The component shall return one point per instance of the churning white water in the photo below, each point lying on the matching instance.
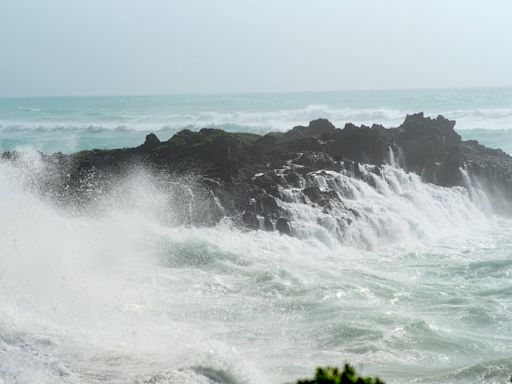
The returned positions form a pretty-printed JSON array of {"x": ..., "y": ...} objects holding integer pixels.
[{"x": 416, "y": 290}]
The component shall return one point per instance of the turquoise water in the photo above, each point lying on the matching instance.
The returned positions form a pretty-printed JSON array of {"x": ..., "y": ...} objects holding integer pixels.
[
  {"x": 71, "y": 124},
  {"x": 418, "y": 291}
]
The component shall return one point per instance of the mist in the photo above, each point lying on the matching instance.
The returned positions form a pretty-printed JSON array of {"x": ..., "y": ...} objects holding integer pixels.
[{"x": 134, "y": 47}]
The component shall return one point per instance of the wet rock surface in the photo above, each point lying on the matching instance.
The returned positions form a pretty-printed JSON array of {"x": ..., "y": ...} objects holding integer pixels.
[{"x": 252, "y": 179}]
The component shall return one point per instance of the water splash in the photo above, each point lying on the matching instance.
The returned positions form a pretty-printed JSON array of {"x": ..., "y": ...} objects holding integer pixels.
[
  {"x": 384, "y": 205},
  {"x": 121, "y": 294}
]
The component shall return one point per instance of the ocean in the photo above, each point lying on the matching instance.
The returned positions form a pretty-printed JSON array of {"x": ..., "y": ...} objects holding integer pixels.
[
  {"x": 419, "y": 290},
  {"x": 70, "y": 124}
]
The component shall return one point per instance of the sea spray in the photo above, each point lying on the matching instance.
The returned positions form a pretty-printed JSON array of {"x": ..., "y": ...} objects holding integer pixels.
[
  {"x": 385, "y": 205},
  {"x": 121, "y": 293},
  {"x": 94, "y": 281}
]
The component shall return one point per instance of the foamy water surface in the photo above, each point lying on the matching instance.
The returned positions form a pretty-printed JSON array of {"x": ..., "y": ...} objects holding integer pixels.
[{"x": 416, "y": 290}]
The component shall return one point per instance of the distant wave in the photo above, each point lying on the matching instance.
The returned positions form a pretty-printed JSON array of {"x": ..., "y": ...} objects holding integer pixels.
[
  {"x": 28, "y": 109},
  {"x": 259, "y": 121},
  {"x": 498, "y": 113}
]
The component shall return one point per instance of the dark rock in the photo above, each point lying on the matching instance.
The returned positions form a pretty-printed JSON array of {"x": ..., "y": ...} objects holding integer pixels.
[
  {"x": 283, "y": 226},
  {"x": 267, "y": 205},
  {"x": 303, "y": 144},
  {"x": 431, "y": 144},
  {"x": 250, "y": 220},
  {"x": 266, "y": 144},
  {"x": 317, "y": 196},
  {"x": 268, "y": 181},
  {"x": 246, "y": 179},
  {"x": 317, "y": 160},
  {"x": 151, "y": 142},
  {"x": 316, "y": 128},
  {"x": 267, "y": 224},
  {"x": 293, "y": 180}
]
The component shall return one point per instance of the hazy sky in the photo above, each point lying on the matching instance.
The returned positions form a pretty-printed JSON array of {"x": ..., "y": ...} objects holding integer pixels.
[{"x": 118, "y": 47}]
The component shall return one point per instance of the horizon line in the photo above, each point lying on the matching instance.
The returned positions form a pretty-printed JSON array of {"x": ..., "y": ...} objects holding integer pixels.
[{"x": 263, "y": 92}]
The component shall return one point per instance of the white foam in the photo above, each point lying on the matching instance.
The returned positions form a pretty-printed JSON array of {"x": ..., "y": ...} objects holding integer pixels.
[
  {"x": 398, "y": 208},
  {"x": 263, "y": 121},
  {"x": 119, "y": 296}
]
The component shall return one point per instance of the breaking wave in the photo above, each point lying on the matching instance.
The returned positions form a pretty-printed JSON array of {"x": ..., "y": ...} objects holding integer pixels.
[
  {"x": 118, "y": 295},
  {"x": 385, "y": 205},
  {"x": 260, "y": 121}
]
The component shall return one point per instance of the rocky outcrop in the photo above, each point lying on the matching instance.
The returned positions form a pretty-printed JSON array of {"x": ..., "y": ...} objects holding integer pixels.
[{"x": 249, "y": 177}]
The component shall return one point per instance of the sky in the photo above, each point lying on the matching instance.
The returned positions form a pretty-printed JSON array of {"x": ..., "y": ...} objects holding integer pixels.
[{"x": 150, "y": 47}]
